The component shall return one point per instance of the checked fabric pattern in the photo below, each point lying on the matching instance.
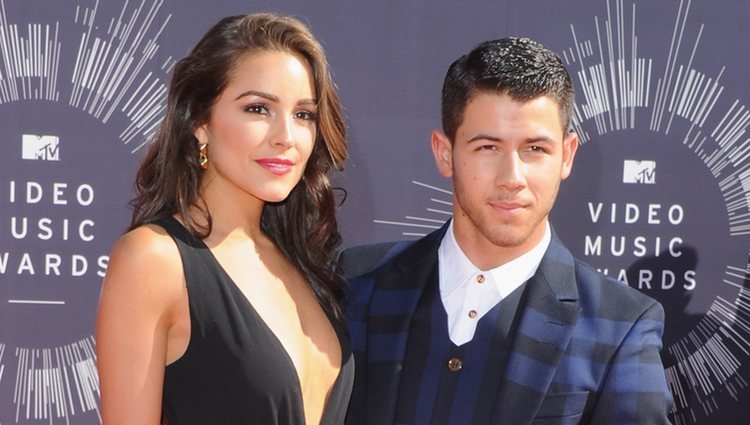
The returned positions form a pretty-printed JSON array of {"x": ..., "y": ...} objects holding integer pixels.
[{"x": 585, "y": 350}]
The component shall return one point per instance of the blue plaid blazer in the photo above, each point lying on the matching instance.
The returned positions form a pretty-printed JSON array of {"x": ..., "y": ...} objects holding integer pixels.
[{"x": 585, "y": 350}]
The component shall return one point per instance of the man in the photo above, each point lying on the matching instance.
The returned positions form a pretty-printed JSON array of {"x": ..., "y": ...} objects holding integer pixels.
[{"x": 490, "y": 320}]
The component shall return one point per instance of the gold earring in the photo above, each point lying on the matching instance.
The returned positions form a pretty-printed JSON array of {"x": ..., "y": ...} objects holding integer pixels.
[{"x": 203, "y": 155}]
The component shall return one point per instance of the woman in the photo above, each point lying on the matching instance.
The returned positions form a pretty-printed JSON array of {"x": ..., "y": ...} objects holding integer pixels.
[{"x": 221, "y": 304}]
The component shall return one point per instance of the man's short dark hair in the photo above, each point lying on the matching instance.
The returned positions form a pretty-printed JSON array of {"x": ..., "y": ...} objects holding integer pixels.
[{"x": 518, "y": 67}]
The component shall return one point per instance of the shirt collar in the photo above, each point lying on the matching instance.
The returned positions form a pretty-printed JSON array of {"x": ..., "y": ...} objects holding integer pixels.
[{"x": 455, "y": 267}]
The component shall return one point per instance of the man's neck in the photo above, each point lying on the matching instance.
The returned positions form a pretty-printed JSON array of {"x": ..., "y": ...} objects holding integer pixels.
[{"x": 487, "y": 255}]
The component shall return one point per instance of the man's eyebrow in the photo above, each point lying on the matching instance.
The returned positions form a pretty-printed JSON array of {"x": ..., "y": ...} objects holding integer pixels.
[
  {"x": 487, "y": 137},
  {"x": 490, "y": 138}
]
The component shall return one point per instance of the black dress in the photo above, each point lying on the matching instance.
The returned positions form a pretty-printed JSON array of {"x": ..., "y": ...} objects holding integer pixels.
[{"x": 235, "y": 370}]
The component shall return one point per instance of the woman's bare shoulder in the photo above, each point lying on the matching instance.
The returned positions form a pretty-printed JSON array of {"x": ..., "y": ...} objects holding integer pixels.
[
  {"x": 146, "y": 241},
  {"x": 142, "y": 298},
  {"x": 145, "y": 259}
]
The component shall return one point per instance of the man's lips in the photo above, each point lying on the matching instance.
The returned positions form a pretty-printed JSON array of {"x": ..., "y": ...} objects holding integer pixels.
[
  {"x": 278, "y": 166},
  {"x": 510, "y": 206}
]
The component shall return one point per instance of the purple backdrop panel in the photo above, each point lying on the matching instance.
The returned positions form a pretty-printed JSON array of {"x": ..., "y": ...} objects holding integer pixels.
[{"x": 658, "y": 197}]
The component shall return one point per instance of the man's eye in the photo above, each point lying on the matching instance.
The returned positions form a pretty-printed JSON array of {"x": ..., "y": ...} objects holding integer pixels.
[{"x": 534, "y": 148}]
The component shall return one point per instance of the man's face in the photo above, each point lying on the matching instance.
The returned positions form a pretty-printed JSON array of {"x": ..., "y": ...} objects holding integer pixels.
[{"x": 506, "y": 162}]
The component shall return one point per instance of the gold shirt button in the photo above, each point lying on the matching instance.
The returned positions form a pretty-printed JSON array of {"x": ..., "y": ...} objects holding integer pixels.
[
  {"x": 480, "y": 278},
  {"x": 455, "y": 364},
  {"x": 472, "y": 314}
]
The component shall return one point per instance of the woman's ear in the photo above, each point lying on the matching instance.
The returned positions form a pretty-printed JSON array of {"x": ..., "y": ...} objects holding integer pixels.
[{"x": 201, "y": 134}]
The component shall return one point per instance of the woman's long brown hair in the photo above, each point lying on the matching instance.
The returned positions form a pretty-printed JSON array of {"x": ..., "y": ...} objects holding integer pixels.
[{"x": 304, "y": 225}]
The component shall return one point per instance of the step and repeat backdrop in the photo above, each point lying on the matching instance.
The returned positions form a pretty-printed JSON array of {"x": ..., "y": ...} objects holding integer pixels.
[{"x": 659, "y": 197}]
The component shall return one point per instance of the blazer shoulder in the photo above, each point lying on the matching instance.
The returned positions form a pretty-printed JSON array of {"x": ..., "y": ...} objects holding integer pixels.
[
  {"x": 362, "y": 259},
  {"x": 609, "y": 294}
]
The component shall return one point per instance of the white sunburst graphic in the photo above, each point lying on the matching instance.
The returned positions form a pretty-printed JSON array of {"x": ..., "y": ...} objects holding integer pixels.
[
  {"x": 114, "y": 73},
  {"x": 617, "y": 81},
  {"x": 437, "y": 213},
  {"x": 107, "y": 70}
]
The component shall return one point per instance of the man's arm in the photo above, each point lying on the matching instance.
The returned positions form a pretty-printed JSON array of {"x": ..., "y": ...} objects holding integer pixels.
[{"x": 635, "y": 389}]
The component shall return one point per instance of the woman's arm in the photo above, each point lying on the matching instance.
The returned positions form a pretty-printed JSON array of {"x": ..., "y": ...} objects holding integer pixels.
[{"x": 141, "y": 296}]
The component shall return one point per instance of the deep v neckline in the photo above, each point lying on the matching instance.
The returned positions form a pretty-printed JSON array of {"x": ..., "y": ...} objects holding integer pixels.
[{"x": 236, "y": 291}]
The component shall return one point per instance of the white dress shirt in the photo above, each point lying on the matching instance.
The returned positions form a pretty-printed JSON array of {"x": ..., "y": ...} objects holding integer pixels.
[{"x": 468, "y": 293}]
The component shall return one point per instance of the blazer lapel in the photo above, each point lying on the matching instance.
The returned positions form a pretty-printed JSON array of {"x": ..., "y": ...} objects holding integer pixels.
[
  {"x": 549, "y": 312},
  {"x": 398, "y": 288}
]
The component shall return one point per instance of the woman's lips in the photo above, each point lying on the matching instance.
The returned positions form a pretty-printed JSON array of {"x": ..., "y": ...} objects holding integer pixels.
[{"x": 278, "y": 166}]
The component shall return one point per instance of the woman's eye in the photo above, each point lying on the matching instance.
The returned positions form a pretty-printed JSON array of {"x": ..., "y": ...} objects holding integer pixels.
[
  {"x": 256, "y": 108},
  {"x": 306, "y": 115}
]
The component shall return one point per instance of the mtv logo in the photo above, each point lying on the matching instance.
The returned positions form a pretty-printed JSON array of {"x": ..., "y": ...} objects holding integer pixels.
[
  {"x": 643, "y": 172},
  {"x": 45, "y": 147}
]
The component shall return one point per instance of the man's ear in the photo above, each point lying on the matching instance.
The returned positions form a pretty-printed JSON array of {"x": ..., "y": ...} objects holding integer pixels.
[
  {"x": 570, "y": 147},
  {"x": 442, "y": 150}
]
